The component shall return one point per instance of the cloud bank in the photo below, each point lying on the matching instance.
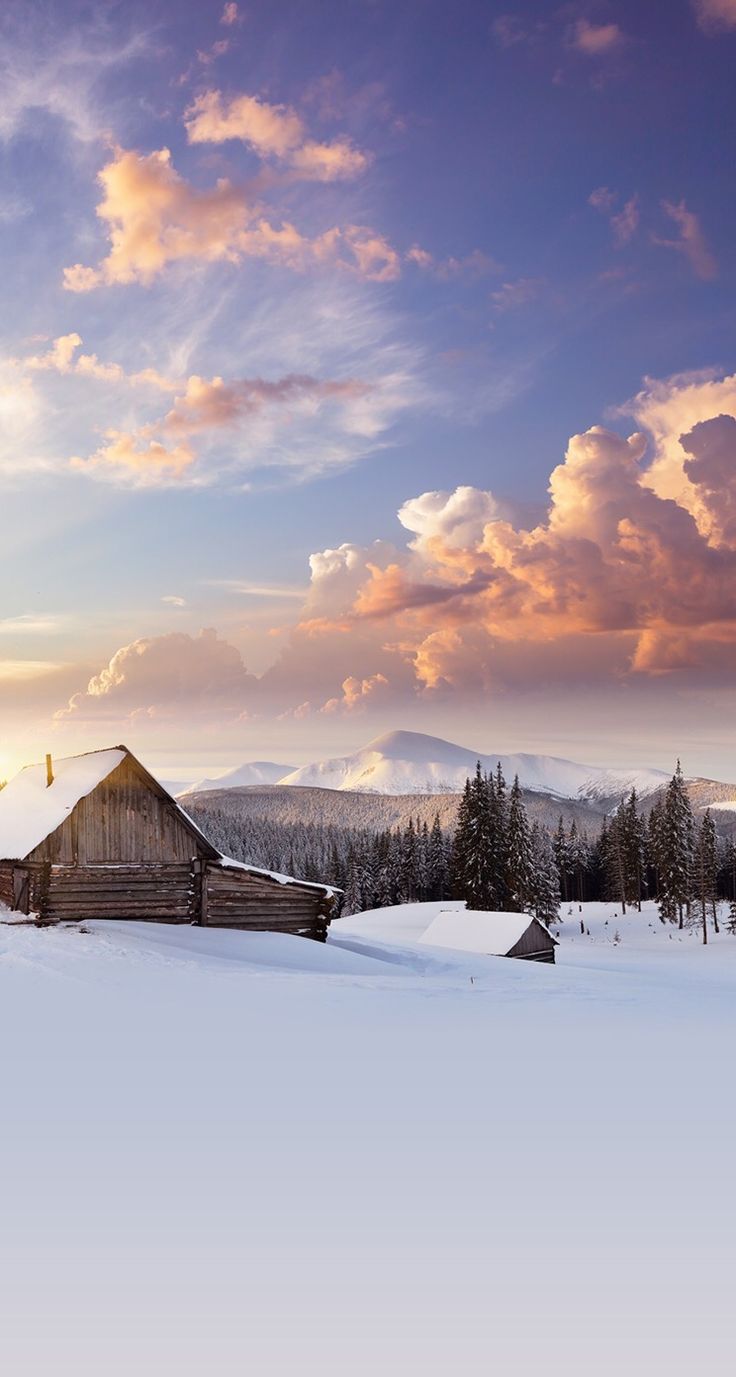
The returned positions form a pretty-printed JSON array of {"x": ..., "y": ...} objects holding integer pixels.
[{"x": 621, "y": 581}]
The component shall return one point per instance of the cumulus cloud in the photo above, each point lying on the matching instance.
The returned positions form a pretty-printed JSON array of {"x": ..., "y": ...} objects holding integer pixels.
[
  {"x": 691, "y": 241},
  {"x": 158, "y": 675},
  {"x": 713, "y": 15},
  {"x": 230, "y": 14},
  {"x": 272, "y": 131},
  {"x": 154, "y": 217},
  {"x": 711, "y": 468},
  {"x": 357, "y": 694},
  {"x": 618, "y": 579},
  {"x": 454, "y": 520},
  {"x": 668, "y": 409}
]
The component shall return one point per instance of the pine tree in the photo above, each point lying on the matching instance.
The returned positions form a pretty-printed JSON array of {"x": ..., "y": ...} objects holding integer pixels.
[
  {"x": 353, "y": 901},
  {"x": 676, "y": 851},
  {"x": 498, "y": 814},
  {"x": 614, "y": 858},
  {"x": 409, "y": 870},
  {"x": 436, "y": 862},
  {"x": 480, "y": 881},
  {"x": 562, "y": 857},
  {"x": 545, "y": 876},
  {"x": 706, "y": 871},
  {"x": 635, "y": 851},
  {"x": 460, "y": 863},
  {"x": 519, "y": 865},
  {"x": 576, "y": 851}
]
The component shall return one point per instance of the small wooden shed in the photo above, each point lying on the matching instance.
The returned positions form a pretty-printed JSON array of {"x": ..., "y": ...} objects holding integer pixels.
[
  {"x": 492, "y": 934},
  {"x": 96, "y": 836}
]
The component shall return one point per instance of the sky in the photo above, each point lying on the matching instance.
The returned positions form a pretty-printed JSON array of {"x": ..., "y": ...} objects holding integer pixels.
[{"x": 367, "y": 365}]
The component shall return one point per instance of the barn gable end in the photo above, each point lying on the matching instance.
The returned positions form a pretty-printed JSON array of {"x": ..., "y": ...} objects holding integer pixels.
[
  {"x": 128, "y": 818},
  {"x": 536, "y": 944}
]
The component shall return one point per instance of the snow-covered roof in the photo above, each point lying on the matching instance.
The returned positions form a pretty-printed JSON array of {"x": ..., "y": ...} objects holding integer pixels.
[
  {"x": 30, "y": 811},
  {"x": 329, "y": 890},
  {"x": 492, "y": 934}
]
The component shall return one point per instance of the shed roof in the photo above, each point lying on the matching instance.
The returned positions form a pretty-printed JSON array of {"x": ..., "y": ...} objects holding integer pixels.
[{"x": 493, "y": 934}]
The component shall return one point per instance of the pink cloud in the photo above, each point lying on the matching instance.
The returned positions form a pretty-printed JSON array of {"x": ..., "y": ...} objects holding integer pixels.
[
  {"x": 274, "y": 131},
  {"x": 154, "y": 218},
  {"x": 713, "y": 15},
  {"x": 595, "y": 40},
  {"x": 156, "y": 675},
  {"x": 691, "y": 242},
  {"x": 205, "y": 404}
]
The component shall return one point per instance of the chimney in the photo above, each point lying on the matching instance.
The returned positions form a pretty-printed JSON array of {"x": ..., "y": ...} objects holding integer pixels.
[{"x": 49, "y": 772}]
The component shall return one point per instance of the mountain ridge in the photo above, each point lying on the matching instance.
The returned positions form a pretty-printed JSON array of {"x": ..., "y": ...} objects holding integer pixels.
[
  {"x": 400, "y": 763},
  {"x": 403, "y": 762}
]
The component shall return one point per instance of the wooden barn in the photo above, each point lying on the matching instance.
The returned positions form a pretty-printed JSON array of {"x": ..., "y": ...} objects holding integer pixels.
[
  {"x": 96, "y": 836},
  {"x": 492, "y": 934}
]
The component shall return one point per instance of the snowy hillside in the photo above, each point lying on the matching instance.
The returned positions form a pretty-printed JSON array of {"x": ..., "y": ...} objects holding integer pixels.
[
  {"x": 242, "y": 776},
  {"x": 410, "y": 762},
  {"x": 240, "y": 1152}
]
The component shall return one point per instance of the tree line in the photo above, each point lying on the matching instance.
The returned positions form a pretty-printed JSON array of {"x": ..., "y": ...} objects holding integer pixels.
[{"x": 494, "y": 859}]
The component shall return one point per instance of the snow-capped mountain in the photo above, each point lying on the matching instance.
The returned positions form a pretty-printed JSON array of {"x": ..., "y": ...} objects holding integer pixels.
[
  {"x": 255, "y": 772},
  {"x": 409, "y": 763}
]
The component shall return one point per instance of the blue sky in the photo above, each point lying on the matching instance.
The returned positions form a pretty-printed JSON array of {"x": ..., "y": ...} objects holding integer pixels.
[{"x": 272, "y": 271}]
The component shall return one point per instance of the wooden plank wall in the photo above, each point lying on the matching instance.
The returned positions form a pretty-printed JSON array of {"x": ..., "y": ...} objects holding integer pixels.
[
  {"x": 7, "y": 894},
  {"x": 237, "y": 899},
  {"x": 161, "y": 893},
  {"x": 535, "y": 944},
  {"x": 123, "y": 819}
]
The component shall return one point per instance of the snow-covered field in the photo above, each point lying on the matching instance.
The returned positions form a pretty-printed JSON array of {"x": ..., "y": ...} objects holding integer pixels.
[{"x": 228, "y": 1152}]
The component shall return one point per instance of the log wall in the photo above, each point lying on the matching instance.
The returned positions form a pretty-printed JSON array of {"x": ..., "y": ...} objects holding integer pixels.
[
  {"x": 161, "y": 893},
  {"x": 233, "y": 898},
  {"x": 186, "y": 892}
]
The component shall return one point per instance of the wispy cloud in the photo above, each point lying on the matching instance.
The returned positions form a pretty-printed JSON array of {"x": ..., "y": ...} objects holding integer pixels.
[
  {"x": 691, "y": 241},
  {"x": 63, "y": 71},
  {"x": 510, "y": 296}
]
